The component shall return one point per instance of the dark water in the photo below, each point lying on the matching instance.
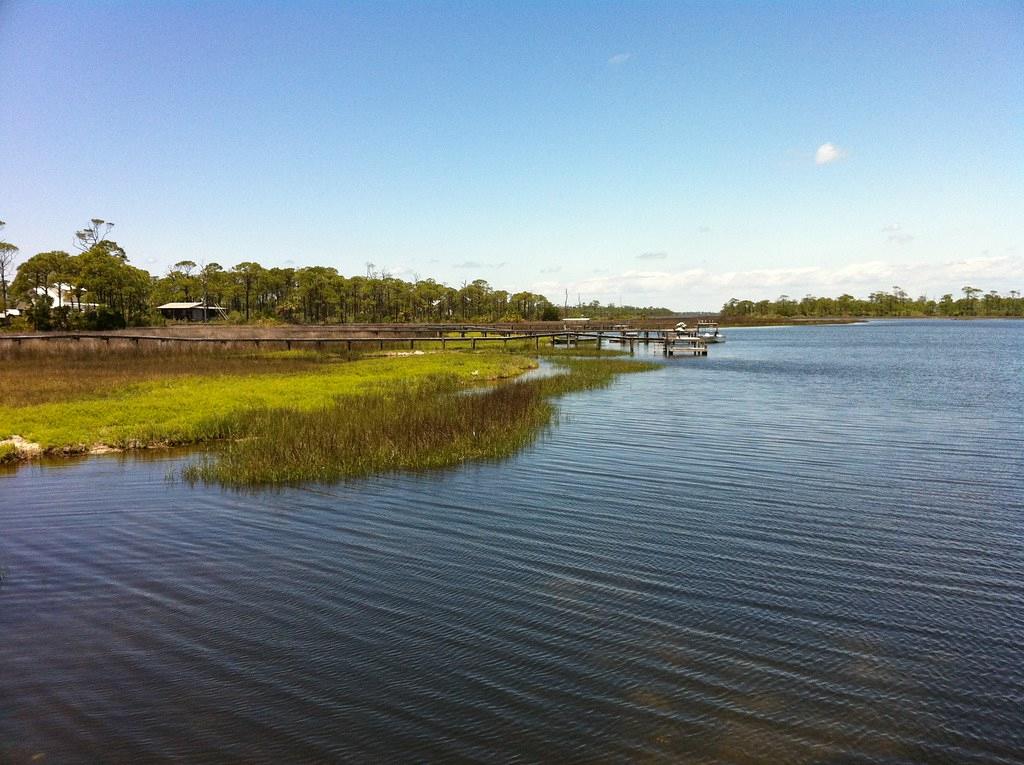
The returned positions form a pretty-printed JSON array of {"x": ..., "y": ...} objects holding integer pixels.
[{"x": 805, "y": 548}]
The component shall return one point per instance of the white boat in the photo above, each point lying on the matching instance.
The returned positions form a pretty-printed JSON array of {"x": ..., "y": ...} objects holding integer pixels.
[
  {"x": 685, "y": 341},
  {"x": 710, "y": 332}
]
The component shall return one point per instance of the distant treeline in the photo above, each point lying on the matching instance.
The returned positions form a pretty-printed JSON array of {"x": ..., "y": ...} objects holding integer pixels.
[
  {"x": 975, "y": 302},
  {"x": 97, "y": 288}
]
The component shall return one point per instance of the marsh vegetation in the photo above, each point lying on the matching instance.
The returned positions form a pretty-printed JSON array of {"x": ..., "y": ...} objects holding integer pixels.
[
  {"x": 63, "y": 371},
  {"x": 408, "y": 425},
  {"x": 286, "y": 416},
  {"x": 126, "y": 397}
]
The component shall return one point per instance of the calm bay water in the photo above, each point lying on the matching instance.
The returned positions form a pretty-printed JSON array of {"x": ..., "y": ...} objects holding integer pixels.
[{"x": 804, "y": 548}]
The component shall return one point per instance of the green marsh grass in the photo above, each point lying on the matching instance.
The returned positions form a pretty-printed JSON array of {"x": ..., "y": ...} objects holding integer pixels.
[
  {"x": 132, "y": 399},
  {"x": 290, "y": 416},
  {"x": 8, "y": 453},
  {"x": 414, "y": 425},
  {"x": 526, "y": 346},
  {"x": 55, "y": 371}
]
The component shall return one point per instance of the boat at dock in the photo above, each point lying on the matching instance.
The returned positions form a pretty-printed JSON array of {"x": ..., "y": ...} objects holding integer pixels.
[
  {"x": 684, "y": 340},
  {"x": 710, "y": 332}
]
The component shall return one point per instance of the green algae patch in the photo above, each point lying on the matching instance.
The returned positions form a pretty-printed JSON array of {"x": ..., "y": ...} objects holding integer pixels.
[{"x": 196, "y": 408}]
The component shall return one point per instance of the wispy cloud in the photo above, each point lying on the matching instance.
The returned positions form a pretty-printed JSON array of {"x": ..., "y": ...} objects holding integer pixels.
[
  {"x": 828, "y": 153},
  {"x": 399, "y": 270},
  {"x": 620, "y": 58},
  {"x": 476, "y": 264},
  {"x": 652, "y": 256},
  {"x": 896, "y": 234},
  {"x": 704, "y": 229},
  {"x": 551, "y": 270}
]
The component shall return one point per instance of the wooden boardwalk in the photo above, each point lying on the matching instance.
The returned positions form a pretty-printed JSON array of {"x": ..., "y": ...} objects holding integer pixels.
[{"x": 383, "y": 337}]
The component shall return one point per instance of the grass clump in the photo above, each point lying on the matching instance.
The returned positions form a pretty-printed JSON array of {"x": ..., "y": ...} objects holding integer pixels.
[
  {"x": 585, "y": 372},
  {"x": 8, "y": 453},
  {"x": 416, "y": 425},
  {"x": 406, "y": 426}
]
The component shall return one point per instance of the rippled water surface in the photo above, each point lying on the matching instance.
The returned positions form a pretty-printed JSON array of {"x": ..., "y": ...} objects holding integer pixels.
[{"x": 804, "y": 548}]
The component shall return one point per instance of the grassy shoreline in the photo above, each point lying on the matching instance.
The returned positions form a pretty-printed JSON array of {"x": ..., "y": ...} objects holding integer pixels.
[
  {"x": 286, "y": 417},
  {"x": 151, "y": 402}
]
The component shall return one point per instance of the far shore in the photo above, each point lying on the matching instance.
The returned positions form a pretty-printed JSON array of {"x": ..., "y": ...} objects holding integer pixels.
[{"x": 765, "y": 321}]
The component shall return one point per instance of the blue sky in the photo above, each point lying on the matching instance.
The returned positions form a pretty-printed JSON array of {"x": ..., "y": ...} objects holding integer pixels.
[{"x": 674, "y": 154}]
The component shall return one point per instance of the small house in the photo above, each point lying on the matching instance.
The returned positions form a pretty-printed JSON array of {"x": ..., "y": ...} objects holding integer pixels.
[
  {"x": 192, "y": 311},
  {"x": 64, "y": 296}
]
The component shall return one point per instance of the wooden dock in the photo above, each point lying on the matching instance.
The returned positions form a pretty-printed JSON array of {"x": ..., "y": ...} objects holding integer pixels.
[{"x": 389, "y": 338}]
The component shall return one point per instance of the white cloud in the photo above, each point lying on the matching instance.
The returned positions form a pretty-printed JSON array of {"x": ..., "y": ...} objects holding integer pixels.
[
  {"x": 620, "y": 58},
  {"x": 703, "y": 289},
  {"x": 827, "y": 153},
  {"x": 652, "y": 256}
]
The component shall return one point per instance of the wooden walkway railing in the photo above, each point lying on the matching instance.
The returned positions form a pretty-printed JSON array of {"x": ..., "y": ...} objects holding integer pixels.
[{"x": 685, "y": 343}]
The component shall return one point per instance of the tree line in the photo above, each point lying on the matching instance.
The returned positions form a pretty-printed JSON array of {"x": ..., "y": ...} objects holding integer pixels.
[
  {"x": 97, "y": 288},
  {"x": 974, "y": 302}
]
